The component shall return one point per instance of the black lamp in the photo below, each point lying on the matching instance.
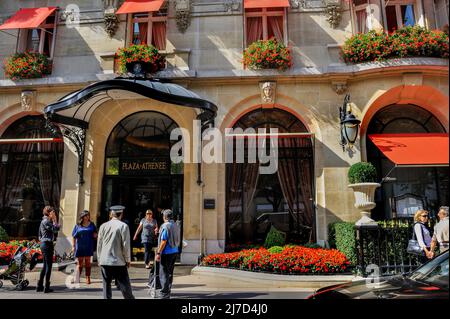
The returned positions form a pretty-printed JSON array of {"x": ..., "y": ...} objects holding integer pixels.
[{"x": 349, "y": 124}]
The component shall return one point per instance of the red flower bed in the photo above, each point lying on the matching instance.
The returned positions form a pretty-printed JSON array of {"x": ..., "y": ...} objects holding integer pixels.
[
  {"x": 7, "y": 250},
  {"x": 405, "y": 42},
  {"x": 292, "y": 260}
]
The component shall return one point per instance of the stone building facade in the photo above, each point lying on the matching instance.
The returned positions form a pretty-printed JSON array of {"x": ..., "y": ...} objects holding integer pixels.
[{"x": 204, "y": 44}]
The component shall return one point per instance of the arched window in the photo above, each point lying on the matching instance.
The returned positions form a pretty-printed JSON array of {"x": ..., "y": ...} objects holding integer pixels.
[
  {"x": 256, "y": 202},
  {"x": 30, "y": 176},
  {"x": 427, "y": 184}
]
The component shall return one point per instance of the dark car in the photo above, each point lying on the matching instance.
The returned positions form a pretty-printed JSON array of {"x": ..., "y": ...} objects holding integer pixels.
[{"x": 430, "y": 281}]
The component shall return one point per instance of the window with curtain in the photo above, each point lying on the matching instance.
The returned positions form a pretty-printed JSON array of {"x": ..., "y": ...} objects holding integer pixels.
[
  {"x": 399, "y": 14},
  {"x": 38, "y": 40},
  {"x": 149, "y": 28},
  {"x": 30, "y": 177},
  {"x": 256, "y": 202},
  {"x": 265, "y": 23}
]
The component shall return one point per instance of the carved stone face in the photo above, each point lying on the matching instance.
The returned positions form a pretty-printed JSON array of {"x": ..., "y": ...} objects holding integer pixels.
[
  {"x": 268, "y": 92},
  {"x": 27, "y": 100}
]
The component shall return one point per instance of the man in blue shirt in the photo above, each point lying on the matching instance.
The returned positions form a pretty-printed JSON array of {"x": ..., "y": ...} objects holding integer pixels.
[{"x": 166, "y": 254}]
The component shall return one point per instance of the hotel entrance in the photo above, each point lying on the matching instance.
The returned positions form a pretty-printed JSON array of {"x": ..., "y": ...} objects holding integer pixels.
[{"x": 138, "y": 171}]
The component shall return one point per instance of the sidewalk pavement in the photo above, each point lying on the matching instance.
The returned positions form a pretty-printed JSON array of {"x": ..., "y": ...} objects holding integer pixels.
[{"x": 189, "y": 282}]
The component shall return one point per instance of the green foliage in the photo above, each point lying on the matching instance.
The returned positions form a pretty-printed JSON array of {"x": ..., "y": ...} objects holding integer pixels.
[
  {"x": 275, "y": 249},
  {"x": 312, "y": 245},
  {"x": 345, "y": 240},
  {"x": 332, "y": 235},
  {"x": 405, "y": 42},
  {"x": 275, "y": 238},
  {"x": 362, "y": 172},
  {"x": 3, "y": 235},
  {"x": 267, "y": 54}
]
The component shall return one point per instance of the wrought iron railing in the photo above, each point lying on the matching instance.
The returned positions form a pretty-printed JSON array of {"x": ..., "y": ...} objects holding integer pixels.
[{"x": 381, "y": 249}]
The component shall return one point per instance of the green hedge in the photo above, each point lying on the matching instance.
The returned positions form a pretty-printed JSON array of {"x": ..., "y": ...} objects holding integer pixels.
[
  {"x": 344, "y": 238},
  {"x": 3, "y": 235},
  {"x": 362, "y": 172}
]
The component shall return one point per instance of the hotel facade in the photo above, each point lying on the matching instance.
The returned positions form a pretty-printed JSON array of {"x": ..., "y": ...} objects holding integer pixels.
[{"x": 84, "y": 138}]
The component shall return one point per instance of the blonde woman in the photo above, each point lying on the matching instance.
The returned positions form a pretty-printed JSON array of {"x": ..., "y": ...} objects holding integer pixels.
[
  {"x": 149, "y": 228},
  {"x": 422, "y": 233}
]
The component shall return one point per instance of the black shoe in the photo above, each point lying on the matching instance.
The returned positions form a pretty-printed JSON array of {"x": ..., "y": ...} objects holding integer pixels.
[
  {"x": 47, "y": 288},
  {"x": 39, "y": 287}
]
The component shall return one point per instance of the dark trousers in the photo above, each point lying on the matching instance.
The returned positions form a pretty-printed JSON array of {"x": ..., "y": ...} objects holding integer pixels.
[
  {"x": 167, "y": 266},
  {"x": 120, "y": 274},
  {"x": 47, "y": 252},
  {"x": 148, "y": 252}
]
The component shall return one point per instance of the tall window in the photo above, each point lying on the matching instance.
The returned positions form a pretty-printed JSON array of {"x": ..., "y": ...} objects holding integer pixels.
[
  {"x": 265, "y": 23},
  {"x": 149, "y": 28},
  {"x": 399, "y": 14},
  {"x": 30, "y": 176},
  {"x": 361, "y": 8},
  {"x": 255, "y": 202},
  {"x": 38, "y": 40}
]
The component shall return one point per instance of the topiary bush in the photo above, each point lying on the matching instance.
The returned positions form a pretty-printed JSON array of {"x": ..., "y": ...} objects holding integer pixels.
[
  {"x": 275, "y": 238},
  {"x": 275, "y": 249},
  {"x": 345, "y": 240},
  {"x": 3, "y": 235},
  {"x": 362, "y": 172}
]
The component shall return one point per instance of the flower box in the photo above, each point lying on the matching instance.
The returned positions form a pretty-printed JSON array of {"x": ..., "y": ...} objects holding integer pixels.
[
  {"x": 27, "y": 65},
  {"x": 405, "y": 42},
  {"x": 267, "y": 54},
  {"x": 139, "y": 59}
]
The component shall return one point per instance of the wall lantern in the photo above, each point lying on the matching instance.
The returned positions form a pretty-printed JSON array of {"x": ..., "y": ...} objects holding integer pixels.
[{"x": 349, "y": 124}]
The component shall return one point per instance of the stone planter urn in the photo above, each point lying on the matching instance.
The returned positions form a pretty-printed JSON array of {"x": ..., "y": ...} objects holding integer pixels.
[{"x": 364, "y": 200}]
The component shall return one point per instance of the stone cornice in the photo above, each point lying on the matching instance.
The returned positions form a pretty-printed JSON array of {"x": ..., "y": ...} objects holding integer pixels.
[{"x": 334, "y": 73}]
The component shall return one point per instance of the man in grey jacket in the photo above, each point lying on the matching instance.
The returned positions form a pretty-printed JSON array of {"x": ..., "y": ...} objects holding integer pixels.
[{"x": 113, "y": 253}]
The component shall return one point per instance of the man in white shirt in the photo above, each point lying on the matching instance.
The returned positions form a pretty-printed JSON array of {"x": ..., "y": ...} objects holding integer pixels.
[
  {"x": 113, "y": 253},
  {"x": 441, "y": 231}
]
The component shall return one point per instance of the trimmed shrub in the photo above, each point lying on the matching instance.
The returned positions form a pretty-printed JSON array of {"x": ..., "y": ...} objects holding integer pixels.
[
  {"x": 362, "y": 172},
  {"x": 275, "y": 249},
  {"x": 275, "y": 238},
  {"x": 346, "y": 241},
  {"x": 3, "y": 235}
]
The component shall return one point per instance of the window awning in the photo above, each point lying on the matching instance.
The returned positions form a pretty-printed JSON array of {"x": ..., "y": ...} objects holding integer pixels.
[
  {"x": 254, "y": 4},
  {"x": 135, "y": 6},
  {"x": 427, "y": 149},
  {"x": 28, "y": 18}
]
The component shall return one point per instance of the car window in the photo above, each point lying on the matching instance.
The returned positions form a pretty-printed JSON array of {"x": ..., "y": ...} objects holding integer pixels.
[{"x": 434, "y": 273}]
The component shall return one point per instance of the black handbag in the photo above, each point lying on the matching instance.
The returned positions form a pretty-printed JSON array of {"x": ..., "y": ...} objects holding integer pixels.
[{"x": 413, "y": 245}]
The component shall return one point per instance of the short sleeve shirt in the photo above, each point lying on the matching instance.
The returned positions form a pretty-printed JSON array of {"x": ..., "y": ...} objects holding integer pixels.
[
  {"x": 167, "y": 249},
  {"x": 148, "y": 230}
]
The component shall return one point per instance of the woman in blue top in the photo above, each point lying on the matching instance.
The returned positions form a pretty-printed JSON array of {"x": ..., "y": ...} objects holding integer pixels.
[
  {"x": 422, "y": 233},
  {"x": 83, "y": 235}
]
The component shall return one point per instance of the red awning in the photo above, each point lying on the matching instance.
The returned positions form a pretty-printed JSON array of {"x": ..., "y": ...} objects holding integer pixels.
[
  {"x": 252, "y": 4},
  {"x": 135, "y": 6},
  {"x": 28, "y": 18},
  {"x": 428, "y": 149}
]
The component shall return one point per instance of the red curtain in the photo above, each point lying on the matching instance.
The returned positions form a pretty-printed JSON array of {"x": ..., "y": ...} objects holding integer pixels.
[
  {"x": 254, "y": 29},
  {"x": 275, "y": 28},
  {"x": 143, "y": 28},
  {"x": 159, "y": 35},
  {"x": 294, "y": 174}
]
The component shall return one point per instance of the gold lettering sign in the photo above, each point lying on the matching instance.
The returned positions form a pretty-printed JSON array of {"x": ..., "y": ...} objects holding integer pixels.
[{"x": 144, "y": 166}]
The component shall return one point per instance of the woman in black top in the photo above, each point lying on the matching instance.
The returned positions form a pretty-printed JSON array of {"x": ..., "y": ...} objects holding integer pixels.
[{"x": 48, "y": 228}]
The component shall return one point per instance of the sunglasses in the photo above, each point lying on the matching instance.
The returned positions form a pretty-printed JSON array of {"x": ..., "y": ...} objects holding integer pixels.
[{"x": 424, "y": 216}]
